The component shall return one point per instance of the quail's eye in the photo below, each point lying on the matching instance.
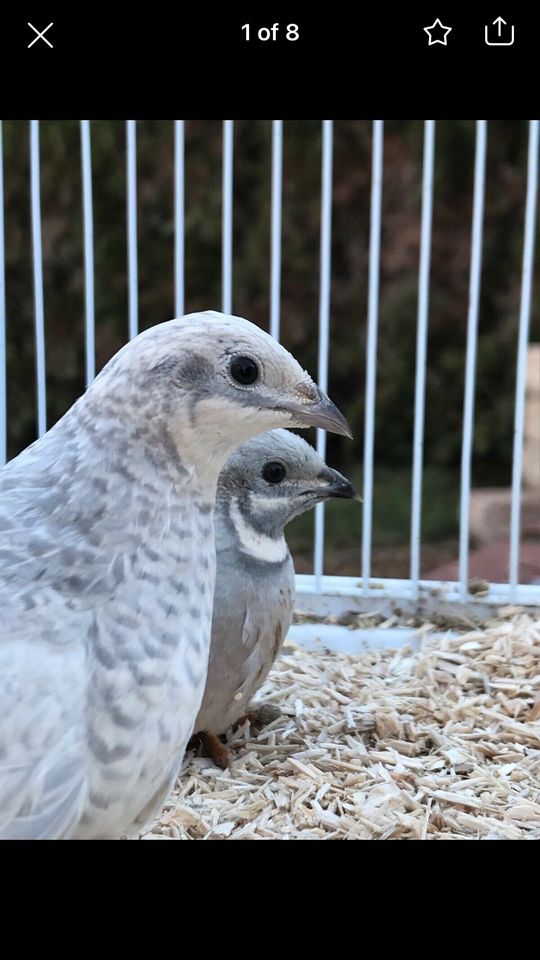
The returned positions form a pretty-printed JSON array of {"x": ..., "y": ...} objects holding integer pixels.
[
  {"x": 244, "y": 370},
  {"x": 274, "y": 472}
]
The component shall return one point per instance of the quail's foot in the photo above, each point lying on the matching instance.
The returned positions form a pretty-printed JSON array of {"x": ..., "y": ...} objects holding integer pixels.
[
  {"x": 219, "y": 752},
  {"x": 212, "y": 747}
]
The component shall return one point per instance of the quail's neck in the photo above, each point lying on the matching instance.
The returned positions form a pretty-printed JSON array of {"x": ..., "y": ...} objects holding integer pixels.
[
  {"x": 168, "y": 438},
  {"x": 148, "y": 445}
]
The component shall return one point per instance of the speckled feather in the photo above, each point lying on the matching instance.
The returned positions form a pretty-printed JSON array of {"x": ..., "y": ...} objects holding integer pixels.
[{"x": 107, "y": 568}]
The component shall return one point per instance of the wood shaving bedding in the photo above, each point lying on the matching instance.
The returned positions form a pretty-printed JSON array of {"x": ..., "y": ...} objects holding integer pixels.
[{"x": 441, "y": 743}]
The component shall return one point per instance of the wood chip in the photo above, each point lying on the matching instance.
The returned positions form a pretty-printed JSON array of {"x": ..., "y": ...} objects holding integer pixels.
[{"x": 442, "y": 743}]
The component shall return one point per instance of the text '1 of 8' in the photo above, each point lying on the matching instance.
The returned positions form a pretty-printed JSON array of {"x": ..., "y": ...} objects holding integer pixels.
[{"x": 292, "y": 32}]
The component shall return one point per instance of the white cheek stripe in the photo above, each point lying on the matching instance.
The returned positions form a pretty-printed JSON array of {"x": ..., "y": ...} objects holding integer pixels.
[
  {"x": 256, "y": 544},
  {"x": 259, "y": 502}
]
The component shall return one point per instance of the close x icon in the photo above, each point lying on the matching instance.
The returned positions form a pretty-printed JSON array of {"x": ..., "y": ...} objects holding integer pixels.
[{"x": 40, "y": 35}]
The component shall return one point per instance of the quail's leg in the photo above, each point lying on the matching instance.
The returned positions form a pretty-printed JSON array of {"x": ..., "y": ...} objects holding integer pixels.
[{"x": 215, "y": 749}]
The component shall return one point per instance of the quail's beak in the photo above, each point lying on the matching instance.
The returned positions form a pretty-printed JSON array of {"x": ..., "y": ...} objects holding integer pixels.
[
  {"x": 314, "y": 409},
  {"x": 334, "y": 484}
]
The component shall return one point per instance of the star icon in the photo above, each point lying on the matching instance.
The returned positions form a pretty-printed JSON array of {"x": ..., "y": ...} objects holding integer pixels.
[{"x": 437, "y": 32}]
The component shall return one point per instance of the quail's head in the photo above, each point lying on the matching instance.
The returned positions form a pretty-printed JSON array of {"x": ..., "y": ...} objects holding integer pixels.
[
  {"x": 276, "y": 476},
  {"x": 216, "y": 380}
]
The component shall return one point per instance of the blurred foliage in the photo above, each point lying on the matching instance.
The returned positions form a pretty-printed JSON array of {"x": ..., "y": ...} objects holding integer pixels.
[
  {"x": 391, "y": 508},
  {"x": 64, "y": 275}
]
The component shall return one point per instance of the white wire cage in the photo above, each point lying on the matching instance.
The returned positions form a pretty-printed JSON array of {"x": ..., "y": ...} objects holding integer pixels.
[{"x": 322, "y": 591}]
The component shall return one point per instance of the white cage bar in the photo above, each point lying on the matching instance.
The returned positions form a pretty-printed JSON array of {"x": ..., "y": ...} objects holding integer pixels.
[
  {"x": 318, "y": 591},
  {"x": 371, "y": 345},
  {"x": 3, "y": 365},
  {"x": 179, "y": 216},
  {"x": 39, "y": 314},
  {"x": 88, "y": 228},
  {"x": 133, "y": 271},
  {"x": 275, "y": 228},
  {"x": 470, "y": 359},
  {"x": 421, "y": 350},
  {"x": 227, "y": 217},
  {"x": 324, "y": 322},
  {"x": 523, "y": 339}
]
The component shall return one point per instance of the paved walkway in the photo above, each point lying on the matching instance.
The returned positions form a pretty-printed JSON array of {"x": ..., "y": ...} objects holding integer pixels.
[{"x": 490, "y": 562}]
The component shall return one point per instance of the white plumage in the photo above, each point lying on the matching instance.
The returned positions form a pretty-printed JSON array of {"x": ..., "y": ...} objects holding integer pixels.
[{"x": 107, "y": 571}]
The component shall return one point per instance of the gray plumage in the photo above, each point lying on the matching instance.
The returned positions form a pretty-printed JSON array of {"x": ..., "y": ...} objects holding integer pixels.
[
  {"x": 254, "y": 594},
  {"x": 107, "y": 568}
]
